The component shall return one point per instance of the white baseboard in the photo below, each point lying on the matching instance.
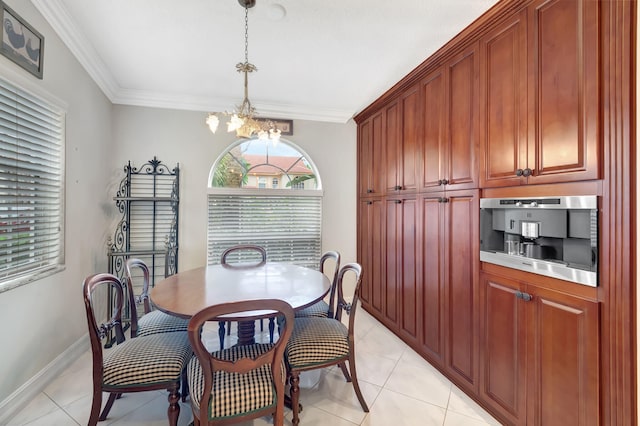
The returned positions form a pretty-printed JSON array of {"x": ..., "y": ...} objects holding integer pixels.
[{"x": 25, "y": 393}]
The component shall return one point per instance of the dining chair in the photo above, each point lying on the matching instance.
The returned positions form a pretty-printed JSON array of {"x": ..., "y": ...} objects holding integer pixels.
[
  {"x": 152, "y": 321},
  {"x": 318, "y": 342},
  {"x": 322, "y": 308},
  {"x": 242, "y": 382},
  {"x": 145, "y": 363},
  {"x": 257, "y": 256}
]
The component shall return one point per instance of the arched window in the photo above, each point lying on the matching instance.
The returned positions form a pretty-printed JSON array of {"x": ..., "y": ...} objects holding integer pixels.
[{"x": 265, "y": 194}]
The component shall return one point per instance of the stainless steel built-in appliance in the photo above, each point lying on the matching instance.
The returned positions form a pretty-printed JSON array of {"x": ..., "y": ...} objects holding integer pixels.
[{"x": 552, "y": 236}]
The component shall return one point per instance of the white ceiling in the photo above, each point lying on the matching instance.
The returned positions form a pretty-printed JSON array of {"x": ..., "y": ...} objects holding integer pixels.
[{"x": 324, "y": 60}]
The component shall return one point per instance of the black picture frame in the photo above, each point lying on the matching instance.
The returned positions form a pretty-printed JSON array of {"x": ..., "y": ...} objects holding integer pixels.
[
  {"x": 20, "y": 42},
  {"x": 285, "y": 126}
]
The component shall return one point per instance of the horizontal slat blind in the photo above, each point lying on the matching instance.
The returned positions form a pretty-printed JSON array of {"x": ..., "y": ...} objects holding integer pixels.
[
  {"x": 287, "y": 226},
  {"x": 31, "y": 183}
]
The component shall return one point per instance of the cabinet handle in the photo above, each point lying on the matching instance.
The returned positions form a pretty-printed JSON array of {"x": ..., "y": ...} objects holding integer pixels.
[
  {"x": 527, "y": 172},
  {"x": 397, "y": 201},
  {"x": 445, "y": 182},
  {"x": 397, "y": 187},
  {"x": 524, "y": 296},
  {"x": 443, "y": 200},
  {"x": 519, "y": 172}
]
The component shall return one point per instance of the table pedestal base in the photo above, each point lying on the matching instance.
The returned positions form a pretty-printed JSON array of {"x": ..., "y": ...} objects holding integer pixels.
[{"x": 246, "y": 333}]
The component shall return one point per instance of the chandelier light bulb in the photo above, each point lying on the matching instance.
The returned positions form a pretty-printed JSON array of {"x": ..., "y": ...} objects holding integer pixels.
[{"x": 212, "y": 121}]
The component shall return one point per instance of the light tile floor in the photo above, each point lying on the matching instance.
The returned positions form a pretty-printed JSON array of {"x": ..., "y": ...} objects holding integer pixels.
[{"x": 400, "y": 387}]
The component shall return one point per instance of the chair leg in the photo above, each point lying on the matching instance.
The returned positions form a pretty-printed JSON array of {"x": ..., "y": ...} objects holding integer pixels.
[
  {"x": 294, "y": 392},
  {"x": 95, "y": 407},
  {"x": 173, "y": 412},
  {"x": 107, "y": 407},
  {"x": 345, "y": 372},
  {"x": 221, "y": 333},
  {"x": 354, "y": 380},
  {"x": 185, "y": 385},
  {"x": 272, "y": 329}
]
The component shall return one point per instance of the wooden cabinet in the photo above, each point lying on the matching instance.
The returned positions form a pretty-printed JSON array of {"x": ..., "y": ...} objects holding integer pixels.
[
  {"x": 401, "y": 266},
  {"x": 387, "y": 248},
  {"x": 539, "y": 85},
  {"x": 371, "y": 253},
  {"x": 503, "y": 89},
  {"x": 450, "y": 112},
  {"x": 402, "y": 143},
  {"x": 450, "y": 287},
  {"x": 539, "y": 353},
  {"x": 533, "y": 92},
  {"x": 370, "y": 150}
]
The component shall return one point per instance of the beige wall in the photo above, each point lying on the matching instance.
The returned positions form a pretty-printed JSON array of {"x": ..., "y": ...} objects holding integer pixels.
[
  {"x": 182, "y": 137},
  {"x": 42, "y": 319}
]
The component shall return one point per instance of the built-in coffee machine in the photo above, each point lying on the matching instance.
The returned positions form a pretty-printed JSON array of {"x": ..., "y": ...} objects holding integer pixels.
[{"x": 552, "y": 236}]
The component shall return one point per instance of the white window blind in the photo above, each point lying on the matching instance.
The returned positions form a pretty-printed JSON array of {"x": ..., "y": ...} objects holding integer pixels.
[
  {"x": 286, "y": 223},
  {"x": 31, "y": 184}
]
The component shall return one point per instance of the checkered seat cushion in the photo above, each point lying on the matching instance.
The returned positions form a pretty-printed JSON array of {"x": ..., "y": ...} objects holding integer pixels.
[
  {"x": 316, "y": 341},
  {"x": 154, "y": 359},
  {"x": 320, "y": 309},
  {"x": 235, "y": 394},
  {"x": 158, "y": 322}
]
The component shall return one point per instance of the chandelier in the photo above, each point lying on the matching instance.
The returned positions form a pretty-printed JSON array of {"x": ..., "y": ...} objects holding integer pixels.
[{"x": 243, "y": 120}]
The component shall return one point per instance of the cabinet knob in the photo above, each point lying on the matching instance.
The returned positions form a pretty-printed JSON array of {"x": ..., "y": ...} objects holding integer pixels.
[
  {"x": 519, "y": 172},
  {"x": 439, "y": 182},
  {"x": 443, "y": 200},
  {"x": 527, "y": 172},
  {"x": 524, "y": 296},
  {"x": 369, "y": 191},
  {"x": 369, "y": 203},
  {"x": 397, "y": 187},
  {"x": 445, "y": 182},
  {"x": 397, "y": 201}
]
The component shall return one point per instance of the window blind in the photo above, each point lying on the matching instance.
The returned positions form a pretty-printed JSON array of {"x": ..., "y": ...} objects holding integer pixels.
[
  {"x": 286, "y": 223},
  {"x": 31, "y": 184}
]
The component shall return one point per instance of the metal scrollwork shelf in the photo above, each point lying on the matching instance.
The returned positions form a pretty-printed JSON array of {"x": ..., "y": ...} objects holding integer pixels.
[{"x": 148, "y": 198}]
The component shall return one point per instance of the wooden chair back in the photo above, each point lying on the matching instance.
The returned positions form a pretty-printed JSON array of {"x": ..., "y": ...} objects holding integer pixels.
[
  {"x": 328, "y": 259},
  {"x": 210, "y": 362},
  {"x": 143, "y": 297},
  {"x": 260, "y": 251}
]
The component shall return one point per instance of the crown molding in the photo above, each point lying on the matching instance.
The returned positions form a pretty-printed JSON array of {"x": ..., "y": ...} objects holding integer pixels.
[
  {"x": 201, "y": 103},
  {"x": 65, "y": 27}
]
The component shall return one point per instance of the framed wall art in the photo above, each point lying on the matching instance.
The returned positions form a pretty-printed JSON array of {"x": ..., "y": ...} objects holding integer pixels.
[
  {"x": 285, "y": 126},
  {"x": 21, "y": 42}
]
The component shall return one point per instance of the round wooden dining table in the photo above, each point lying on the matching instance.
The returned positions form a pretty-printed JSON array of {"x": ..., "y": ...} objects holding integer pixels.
[{"x": 186, "y": 293}]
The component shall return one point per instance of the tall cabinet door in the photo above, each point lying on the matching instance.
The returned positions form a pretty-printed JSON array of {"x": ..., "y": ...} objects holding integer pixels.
[
  {"x": 432, "y": 276},
  {"x": 503, "y": 347},
  {"x": 411, "y": 138},
  {"x": 370, "y": 252},
  {"x": 563, "y": 372},
  {"x": 393, "y": 146},
  {"x": 409, "y": 290},
  {"x": 503, "y": 88},
  {"x": 432, "y": 89},
  {"x": 563, "y": 90},
  {"x": 461, "y": 289},
  {"x": 460, "y": 163},
  {"x": 370, "y": 155}
]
